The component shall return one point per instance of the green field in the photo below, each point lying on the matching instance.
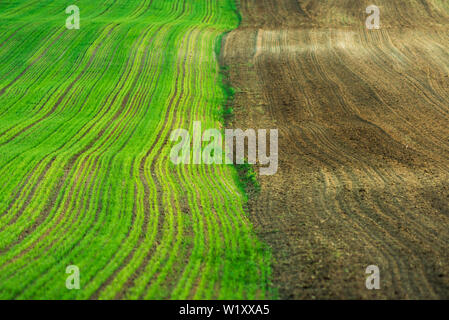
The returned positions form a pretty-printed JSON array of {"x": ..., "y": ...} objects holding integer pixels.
[{"x": 85, "y": 121}]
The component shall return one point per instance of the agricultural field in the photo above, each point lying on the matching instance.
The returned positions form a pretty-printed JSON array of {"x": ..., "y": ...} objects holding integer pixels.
[
  {"x": 363, "y": 120},
  {"x": 85, "y": 119},
  {"x": 100, "y": 200}
]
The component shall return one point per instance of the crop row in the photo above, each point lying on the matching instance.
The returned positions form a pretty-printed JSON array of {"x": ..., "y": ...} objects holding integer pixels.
[{"x": 85, "y": 118}]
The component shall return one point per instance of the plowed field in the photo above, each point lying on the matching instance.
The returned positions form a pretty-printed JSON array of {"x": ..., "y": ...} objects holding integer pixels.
[{"x": 363, "y": 119}]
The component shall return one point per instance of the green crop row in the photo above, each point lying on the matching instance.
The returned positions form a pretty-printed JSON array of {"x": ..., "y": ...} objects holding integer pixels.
[{"x": 85, "y": 117}]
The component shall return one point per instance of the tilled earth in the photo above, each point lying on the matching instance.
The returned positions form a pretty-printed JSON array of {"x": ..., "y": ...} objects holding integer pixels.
[{"x": 363, "y": 120}]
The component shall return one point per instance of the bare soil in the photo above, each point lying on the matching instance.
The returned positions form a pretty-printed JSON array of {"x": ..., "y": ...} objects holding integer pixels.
[{"x": 363, "y": 143}]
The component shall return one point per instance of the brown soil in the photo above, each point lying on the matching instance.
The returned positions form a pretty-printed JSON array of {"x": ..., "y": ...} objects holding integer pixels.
[{"x": 363, "y": 143}]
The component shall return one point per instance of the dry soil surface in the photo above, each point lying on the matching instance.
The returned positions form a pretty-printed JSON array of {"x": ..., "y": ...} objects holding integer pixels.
[{"x": 363, "y": 142}]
